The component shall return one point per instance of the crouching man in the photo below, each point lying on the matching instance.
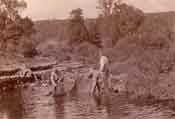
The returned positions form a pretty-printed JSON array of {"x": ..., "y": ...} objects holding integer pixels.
[{"x": 57, "y": 81}]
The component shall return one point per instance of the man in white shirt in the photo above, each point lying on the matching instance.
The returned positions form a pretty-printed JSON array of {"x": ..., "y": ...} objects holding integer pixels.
[
  {"x": 104, "y": 63},
  {"x": 100, "y": 78}
]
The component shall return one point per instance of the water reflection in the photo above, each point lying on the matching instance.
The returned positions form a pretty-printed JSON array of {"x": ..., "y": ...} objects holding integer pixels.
[
  {"x": 83, "y": 106},
  {"x": 33, "y": 103},
  {"x": 38, "y": 105},
  {"x": 12, "y": 105},
  {"x": 59, "y": 107}
]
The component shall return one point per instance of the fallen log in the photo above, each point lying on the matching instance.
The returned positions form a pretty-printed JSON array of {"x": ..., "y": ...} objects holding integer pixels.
[
  {"x": 44, "y": 66},
  {"x": 71, "y": 65},
  {"x": 11, "y": 78},
  {"x": 9, "y": 72},
  {"x": 12, "y": 71}
]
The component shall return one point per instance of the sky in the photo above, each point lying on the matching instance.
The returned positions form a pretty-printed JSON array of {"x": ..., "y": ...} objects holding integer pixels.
[{"x": 59, "y": 9}]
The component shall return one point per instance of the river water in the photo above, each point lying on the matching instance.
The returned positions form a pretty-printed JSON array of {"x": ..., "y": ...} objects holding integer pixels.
[{"x": 34, "y": 103}]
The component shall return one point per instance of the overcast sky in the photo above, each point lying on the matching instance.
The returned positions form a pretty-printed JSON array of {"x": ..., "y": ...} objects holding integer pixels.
[{"x": 59, "y": 9}]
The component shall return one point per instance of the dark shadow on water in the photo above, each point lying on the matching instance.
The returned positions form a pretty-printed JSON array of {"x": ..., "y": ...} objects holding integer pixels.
[
  {"x": 12, "y": 105},
  {"x": 32, "y": 103},
  {"x": 59, "y": 107}
]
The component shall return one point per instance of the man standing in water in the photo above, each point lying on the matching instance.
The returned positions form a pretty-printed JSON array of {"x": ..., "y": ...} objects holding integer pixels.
[
  {"x": 104, "y": 70},
  {"x": 102, "y": 75}
]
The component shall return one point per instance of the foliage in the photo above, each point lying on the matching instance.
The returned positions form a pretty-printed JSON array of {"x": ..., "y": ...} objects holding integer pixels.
[
  {"x": 93, "y": 31},
  {"x": 122, "y": 19},
  {"x": 106, "y": 6},
  {"x": 77, "y": 30},
  {"x": 13, "y": 27}
]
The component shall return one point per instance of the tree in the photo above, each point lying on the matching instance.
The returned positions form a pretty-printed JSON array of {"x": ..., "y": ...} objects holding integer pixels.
[
  {"x": 12, "y": 8},
  {"x": 122, "y": 18},
  {"x": 13, "y": 27},
  {"x": 107, "y": 6},
  {"x": 94, "y": 31},
  {"x": 77, "y": 30},
  {"x": 27, "y": 27}
]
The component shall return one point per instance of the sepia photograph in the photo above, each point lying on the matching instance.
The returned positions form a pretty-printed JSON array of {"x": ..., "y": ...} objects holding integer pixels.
[{"x": 87, "y": 59}]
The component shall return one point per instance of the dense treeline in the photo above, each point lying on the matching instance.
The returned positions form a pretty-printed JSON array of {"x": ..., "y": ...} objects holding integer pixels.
[
  {"x": 16, "y": 31},
  {"x": 123, "y": 20}
]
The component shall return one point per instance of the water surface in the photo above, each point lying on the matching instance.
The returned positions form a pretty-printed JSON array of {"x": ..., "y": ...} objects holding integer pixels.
[{"x": 34, "y": 103}]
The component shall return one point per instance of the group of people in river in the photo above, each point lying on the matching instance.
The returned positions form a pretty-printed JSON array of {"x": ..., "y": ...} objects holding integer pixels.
[{"x": 100, "y": 77}]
